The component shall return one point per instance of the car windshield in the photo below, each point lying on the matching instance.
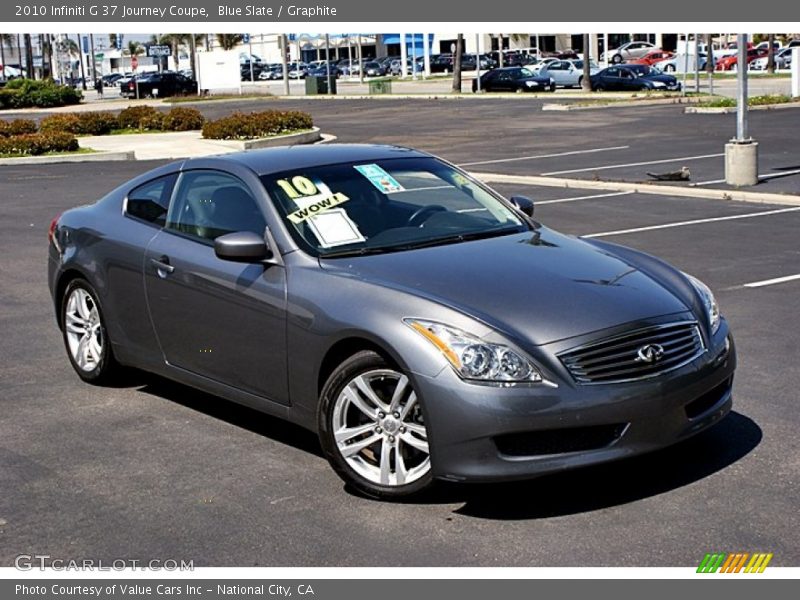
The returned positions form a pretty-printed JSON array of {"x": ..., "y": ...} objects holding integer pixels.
[
  {"x": 579, "y": 64},
  {"x": 641, "y": 70},
  {"x": 525, "y": 73},
  {"x": 386, "y": 205}
]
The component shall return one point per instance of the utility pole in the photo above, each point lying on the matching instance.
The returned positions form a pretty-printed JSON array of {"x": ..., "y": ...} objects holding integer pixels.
[
  {"x": 328, "y": 62},
  {"x": 283, "y": 63},
  {"x": 741, "y": 153}
]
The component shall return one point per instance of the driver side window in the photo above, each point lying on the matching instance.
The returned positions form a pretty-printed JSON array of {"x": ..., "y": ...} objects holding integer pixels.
[{"x": 209, "y": 204}]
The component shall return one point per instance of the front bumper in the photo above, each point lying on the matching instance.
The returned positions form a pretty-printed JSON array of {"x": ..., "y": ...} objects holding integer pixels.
[{"x": 491, "y": 433}]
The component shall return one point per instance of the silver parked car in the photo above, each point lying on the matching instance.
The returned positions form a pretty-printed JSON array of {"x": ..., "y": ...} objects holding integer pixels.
[
  {"x": 628, "y": 51},
  {"x": 421, "y": 324},
  {"x": 567, "y": 73}
]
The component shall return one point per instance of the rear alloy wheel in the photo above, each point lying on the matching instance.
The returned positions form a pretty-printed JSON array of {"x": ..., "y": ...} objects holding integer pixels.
[
  {"x": 372, "y": 429},
  {"x": 85, "y": 336},
  {"x": 616, "y": 59}
]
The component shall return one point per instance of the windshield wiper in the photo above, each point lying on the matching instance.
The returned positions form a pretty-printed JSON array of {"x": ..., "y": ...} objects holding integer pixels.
[{"x": 461, "y": 237}]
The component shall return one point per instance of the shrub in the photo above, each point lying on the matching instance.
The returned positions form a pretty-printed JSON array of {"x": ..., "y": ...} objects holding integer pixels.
[
  {"x": 141, "y": 117},
  {"x": 17, "y": 127},
  {"x": 33, "y": 144},
  {"x": 183, "y": 119},
  {"x": 88, "y": 123},
  {"x": 25, "y": 93},
  {"x": 241, "y": 126}
]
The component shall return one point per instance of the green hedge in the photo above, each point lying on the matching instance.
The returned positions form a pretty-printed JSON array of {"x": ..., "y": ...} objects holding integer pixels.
[
  {"x": 244, "y": 126},
  {"x": 26, "y": 93},
  {"x": 142, "y": 118},
  {"x": 33, "y": 144}
]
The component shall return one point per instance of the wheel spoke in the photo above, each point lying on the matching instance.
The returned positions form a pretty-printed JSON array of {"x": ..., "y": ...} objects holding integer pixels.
[
  {"x": 83, "y": 307},
  {"x": 347, "y": 433},
  {"x": 386, "y": 467},
  {"x": 351, "y": 449},
  {"x": 412, "y": 400},
  {"x": 417, "y": 428},
  {"x": 75, "y": 324},
  {"x": 399, "y": 392},
  {"x": 356, "y": 400},
  {"x": 399, "y": 465},
  {"x": 365, "y": 388},
  {"x": 80, "y": 352},
  {"x": 414, "y": 442},
  {"x": 97, "y": 351}
]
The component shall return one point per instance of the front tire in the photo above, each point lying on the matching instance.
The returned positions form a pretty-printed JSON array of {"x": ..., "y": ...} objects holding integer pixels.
[
  {"x": 85, "y": 334},
  {"x": 372, "y": 430}
]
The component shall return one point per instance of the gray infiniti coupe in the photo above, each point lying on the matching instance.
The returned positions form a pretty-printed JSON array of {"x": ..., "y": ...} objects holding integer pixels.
[{"x": 421, "y": 324}]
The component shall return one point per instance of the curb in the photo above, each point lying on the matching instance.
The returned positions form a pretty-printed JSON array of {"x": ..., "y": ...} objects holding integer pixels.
[
  {"x": 69, "y": 158},
  {"x": 623, "y": 103},
  {"x": 643, "y": 188},
  {"x": 292, "y": 139},
  {"x": 726, "y": 110}
]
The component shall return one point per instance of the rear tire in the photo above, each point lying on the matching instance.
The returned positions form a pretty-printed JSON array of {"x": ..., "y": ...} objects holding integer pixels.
[
  {"x": 372, "y": 430},
  {"x": 85, "y": 334}
]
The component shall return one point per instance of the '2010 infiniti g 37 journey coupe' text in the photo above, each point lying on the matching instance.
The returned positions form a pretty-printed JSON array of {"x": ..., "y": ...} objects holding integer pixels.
[{"x": 423, "y": 325}]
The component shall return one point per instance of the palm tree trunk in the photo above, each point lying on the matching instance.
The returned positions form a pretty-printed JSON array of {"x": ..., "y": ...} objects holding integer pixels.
[
  {"x": 3, "y": 57},
  {"x": 457, "y": 64},
  {"x": 28, "y": 55},
  {"x": 771, "y": 54},
  {"x": 586, "y": 82}
]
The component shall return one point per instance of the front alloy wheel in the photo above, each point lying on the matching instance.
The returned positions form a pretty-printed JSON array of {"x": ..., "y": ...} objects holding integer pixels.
[{"x": 372, "y": 428}]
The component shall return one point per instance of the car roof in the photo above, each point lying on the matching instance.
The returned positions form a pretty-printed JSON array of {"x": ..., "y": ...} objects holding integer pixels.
[{"x": 286, "y": 158}]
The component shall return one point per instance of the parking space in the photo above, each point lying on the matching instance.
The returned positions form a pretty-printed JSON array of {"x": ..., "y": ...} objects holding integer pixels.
[{"x": 174, "y": 472}]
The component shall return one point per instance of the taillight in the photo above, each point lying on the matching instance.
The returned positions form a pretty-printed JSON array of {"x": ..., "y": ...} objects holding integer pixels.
[{"x": 52, "y": 231}]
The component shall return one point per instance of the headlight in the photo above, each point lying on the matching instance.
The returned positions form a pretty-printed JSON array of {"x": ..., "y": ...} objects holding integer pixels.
[
  {"x": 531, "y": 83},
  {"x": 710, "y": 303},
  {"x": 473, "y": 358},
  {"x": 659, "y": 84}
]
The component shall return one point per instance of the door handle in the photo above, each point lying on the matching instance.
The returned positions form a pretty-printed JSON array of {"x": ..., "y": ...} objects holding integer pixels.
[{"x": 162, "y": 265}]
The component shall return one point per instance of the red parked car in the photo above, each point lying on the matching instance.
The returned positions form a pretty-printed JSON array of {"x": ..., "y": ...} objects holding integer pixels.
[
  {"x": 726, "y": 63},
  {"x": 652, "y": 57}
]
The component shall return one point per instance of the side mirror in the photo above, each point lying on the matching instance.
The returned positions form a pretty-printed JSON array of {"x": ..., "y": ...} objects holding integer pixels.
[
  {"x": 523, "y": 203},
  {"x": 241, "y": 246}
]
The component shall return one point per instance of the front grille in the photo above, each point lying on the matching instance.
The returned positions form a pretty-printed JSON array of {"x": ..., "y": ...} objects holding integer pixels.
[
  {"x": 624, "y": 357},
  {"x": 559, "y": 441}
]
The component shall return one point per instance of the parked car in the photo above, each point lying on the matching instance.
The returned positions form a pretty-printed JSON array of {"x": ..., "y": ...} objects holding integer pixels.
[
  {"x": 730, "y": 63},
  {"x": 677, "y": 62},
  {"x": 411, "y": 67},
  {"x": 628, "y": 51},
  {"x": 633, "y": 78},
  {"x": 298, "y": 70},
  {"x": 407, "y": 328},
  {"x": 271, "y": 73},
  {"x": 514, "y": 79},
  {"x": 158, "y": 85},
  {"x": 783, "y": 60},
  {"x": 652, "y": 57},
  {"x": 111, "y": 79},
  {"x": 567, "y": 73},
  {"x": 373, "y": 68},
  {"x": 541, "y": 64}
]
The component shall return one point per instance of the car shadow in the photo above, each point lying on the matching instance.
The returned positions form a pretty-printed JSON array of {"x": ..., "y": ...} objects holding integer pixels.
[
  {"x": 238, "y": 415},
  {"x": 612, "y": 484}
]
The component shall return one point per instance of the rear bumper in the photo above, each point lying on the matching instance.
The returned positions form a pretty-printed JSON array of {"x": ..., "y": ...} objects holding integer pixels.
[{"x": 488, "y": 433}]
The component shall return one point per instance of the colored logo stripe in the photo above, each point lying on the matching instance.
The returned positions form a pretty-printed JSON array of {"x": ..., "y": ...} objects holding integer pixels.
[{"x": 734, "y": 562}]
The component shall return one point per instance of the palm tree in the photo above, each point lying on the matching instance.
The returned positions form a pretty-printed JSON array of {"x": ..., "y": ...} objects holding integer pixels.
[
  {"x": 6, "y": 39},
  {"x": 229, "y": 41},
  {"x": 586, "y": 82},
  {"x": 771, "y": 54},
  {"x": 457, "y": 64},
  {"x": 113, "y": 38},
  {"x": 28, "y": 56}
]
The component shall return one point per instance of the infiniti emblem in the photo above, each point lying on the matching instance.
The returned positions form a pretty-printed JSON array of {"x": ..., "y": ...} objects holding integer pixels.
[{"x": 650, "y": 353}]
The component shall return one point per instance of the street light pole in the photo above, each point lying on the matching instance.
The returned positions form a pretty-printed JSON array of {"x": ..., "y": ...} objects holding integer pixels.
[{"x": 741, "y": 153}]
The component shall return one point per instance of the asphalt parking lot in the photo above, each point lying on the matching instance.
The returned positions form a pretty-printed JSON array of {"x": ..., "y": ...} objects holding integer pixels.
[{"x": 152, "y": 469}]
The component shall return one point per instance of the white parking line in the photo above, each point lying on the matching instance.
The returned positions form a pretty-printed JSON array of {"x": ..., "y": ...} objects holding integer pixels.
[
  {"x": 765, "y": 282},
  {"x": 583, "y": 198},
  {"x": 518, "y": 158},
  {"x": 760, "y": 177},
  {"x": 636, "y": 164},
  {"x": 693, "y": 222}
]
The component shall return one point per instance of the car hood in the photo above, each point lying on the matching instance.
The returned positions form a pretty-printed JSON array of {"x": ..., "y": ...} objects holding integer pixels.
[
  {"x": 668, "y": 79},
  {"x": 539, "y": 286}
]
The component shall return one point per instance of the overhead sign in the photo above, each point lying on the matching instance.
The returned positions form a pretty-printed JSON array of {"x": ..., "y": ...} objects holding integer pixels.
[{"x": 155, "y": 51}]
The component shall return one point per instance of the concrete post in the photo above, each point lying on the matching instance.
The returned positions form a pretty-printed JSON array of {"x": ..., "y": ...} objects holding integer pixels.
[{"x": 741, "y": 153}]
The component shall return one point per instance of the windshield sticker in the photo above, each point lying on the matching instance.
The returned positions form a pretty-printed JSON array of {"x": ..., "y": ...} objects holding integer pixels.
[
  {"x": 334, "y": 228},
  {"x": 316, "y": 207},
  {"x": 380, "y": 178}
]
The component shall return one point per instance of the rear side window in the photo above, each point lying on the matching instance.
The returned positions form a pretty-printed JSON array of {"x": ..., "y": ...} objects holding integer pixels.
[{"x": 150, "y": 201}]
